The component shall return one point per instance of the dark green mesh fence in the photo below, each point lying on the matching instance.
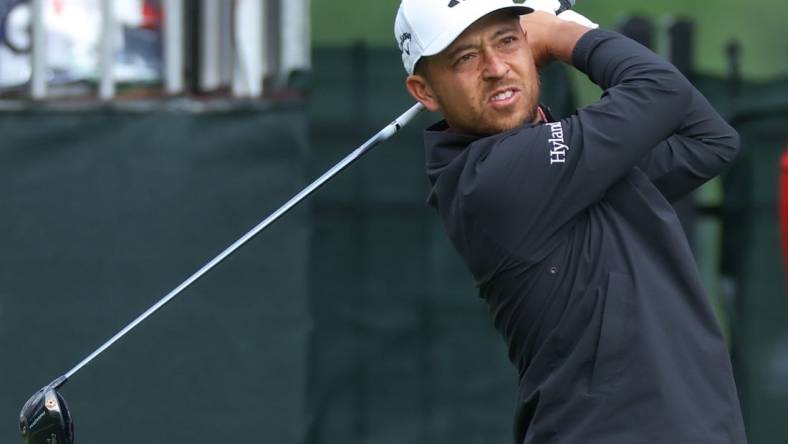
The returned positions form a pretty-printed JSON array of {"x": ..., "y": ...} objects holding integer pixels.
[
  {"x": 751, "y": 257},
  {"x": 105, "y": 211}
]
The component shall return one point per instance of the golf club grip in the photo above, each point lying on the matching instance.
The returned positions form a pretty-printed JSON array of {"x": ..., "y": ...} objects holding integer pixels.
[{"x": 565, "y": 6}]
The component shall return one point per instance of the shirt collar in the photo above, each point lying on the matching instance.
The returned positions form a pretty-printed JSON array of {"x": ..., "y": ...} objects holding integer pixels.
[{"x": 443, "y": 145}]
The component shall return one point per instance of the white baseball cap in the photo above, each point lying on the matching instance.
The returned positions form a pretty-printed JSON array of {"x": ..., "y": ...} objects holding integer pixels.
[{"x": 427, "y": 27}]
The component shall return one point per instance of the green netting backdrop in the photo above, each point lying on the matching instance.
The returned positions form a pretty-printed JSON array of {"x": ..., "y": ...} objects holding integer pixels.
[
  {"x": 102, "y": 212},
  {"x": 751, "y": 262}
]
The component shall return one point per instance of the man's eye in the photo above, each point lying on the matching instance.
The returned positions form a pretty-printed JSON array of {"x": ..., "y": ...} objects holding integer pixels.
[
  {"x": 465, "y": 58},
  {"x": 508, "y": 40}
]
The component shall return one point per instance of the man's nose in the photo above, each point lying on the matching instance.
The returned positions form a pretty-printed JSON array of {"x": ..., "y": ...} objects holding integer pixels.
[{"x": 495, "y": 67}]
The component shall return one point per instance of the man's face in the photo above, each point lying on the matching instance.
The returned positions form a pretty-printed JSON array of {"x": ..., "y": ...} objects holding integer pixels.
[{"x": 485, "y": 82}]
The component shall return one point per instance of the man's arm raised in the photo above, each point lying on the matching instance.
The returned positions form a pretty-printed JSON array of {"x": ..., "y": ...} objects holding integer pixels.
[{"x": 550, "y": 37}]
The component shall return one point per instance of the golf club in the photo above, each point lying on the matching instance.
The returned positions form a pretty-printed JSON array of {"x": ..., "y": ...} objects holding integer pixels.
[{"x": 45, "y": 418}]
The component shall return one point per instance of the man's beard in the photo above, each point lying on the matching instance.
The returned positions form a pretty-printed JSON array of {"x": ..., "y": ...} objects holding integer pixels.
[
  {"x": 498, "y": 126},
  {"x": 495, "y": 128},
  {"x": 479, "y": 127}
]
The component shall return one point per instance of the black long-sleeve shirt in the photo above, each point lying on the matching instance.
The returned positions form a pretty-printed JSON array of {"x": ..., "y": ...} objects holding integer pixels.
[{"x": 568, "y": 229}]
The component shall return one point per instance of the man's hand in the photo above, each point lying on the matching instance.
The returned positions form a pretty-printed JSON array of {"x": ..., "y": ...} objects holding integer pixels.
[
  {"x": 550, "y": 37},
  {"x": 543, "y": 5},
  {"x": 553, "y": 6}
]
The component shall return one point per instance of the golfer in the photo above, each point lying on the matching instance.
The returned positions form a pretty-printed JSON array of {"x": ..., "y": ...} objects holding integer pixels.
[{"x": 567, "y": 225}]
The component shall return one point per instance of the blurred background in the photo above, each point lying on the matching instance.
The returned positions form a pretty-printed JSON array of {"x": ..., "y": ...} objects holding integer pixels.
[{"x": 138, "y": 138}]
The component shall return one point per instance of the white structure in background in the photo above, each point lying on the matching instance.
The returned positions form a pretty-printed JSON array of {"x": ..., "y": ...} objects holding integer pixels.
[
  {"x": 38, "y": 81},
  {"x": 249, "y": 47},
  {"x": 215, "y": 44},
  {"x": 71, "y": 31},
  {"x": 15, "y": 69},
  {"x": 247, "y": 41},
  {"x": 107, "y": 47},
  {"x": 295, "y": 36},
  {"x": 242, "y": 43},
  {"x": 173, "y": 47}
]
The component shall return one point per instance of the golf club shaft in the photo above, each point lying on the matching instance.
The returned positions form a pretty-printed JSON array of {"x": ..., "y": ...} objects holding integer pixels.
[{"x": 381, "y": 136}]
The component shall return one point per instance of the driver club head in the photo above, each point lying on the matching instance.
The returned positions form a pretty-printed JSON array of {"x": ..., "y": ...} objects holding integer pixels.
[{"x": 45, "y": 418}]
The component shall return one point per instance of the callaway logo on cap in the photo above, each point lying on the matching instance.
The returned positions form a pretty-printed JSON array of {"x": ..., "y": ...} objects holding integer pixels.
[{"x": 427, "y": 27}]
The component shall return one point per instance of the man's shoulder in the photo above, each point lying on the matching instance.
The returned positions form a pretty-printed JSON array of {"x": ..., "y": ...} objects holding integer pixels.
[{"x": 529, "y": 148}]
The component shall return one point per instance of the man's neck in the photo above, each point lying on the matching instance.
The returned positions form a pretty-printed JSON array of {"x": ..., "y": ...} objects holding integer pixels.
[{"x": 542, "y": 115}]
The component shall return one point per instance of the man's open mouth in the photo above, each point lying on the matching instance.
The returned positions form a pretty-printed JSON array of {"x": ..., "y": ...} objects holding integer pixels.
[{"x": 504, "y": 96}]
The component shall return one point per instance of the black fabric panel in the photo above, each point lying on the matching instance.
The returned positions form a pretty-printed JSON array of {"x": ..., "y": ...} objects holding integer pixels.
[{"x": 103, "y": 212}]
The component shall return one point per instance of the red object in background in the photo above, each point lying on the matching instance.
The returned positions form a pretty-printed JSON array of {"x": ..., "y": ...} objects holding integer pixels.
[
  {"x": 151, "y": 14},
  {"x": 783, "y": 206}
]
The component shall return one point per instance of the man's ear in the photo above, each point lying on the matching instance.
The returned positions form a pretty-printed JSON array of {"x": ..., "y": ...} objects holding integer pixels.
[{"x": 420, "y": 90}]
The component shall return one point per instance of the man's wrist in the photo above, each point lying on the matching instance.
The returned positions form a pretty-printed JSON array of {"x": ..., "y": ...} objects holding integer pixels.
[
  {"x": 551, "y": 38},
  {"x": 567, "y": 34}
]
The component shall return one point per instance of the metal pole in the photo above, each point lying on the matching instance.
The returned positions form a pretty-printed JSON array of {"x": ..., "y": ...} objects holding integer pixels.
[
  {"x": 295, "y": 37},
  {"x": 38, "y": 81},
  {"x": 173, "y": 46},
  {"x": 107, "y": 50},
  {"x": 381, "y": 136},
  {"x": 268, "y": 25},
  {"x": 248, "y": 38},
  {"x": 272, "y": 40},
  {"x": 210, "y": 72},
  {"x": 225, "y": 42}
]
